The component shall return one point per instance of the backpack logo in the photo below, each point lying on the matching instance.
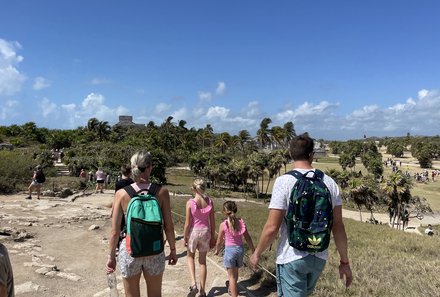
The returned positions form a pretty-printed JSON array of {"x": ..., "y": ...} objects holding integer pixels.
[
  {"x": 309, "y": 216},
  {"x": 314, "y": 241},
  {"x": 144, "y": 226}
]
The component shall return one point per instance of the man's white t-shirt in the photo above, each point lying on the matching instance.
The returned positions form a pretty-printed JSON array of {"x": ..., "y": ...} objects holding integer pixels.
[{"x": 282, "y": 189}]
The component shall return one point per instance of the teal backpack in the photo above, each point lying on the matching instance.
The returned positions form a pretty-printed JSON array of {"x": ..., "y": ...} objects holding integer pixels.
[
  {"x": 309, "y": 216},
  {"x": 144, "y": 223}
]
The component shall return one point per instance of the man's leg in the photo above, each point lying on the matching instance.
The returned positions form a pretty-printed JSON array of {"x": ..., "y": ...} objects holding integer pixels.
[
  {"x": 316, "y": 266},
  {"x": 292, "y": 279}
]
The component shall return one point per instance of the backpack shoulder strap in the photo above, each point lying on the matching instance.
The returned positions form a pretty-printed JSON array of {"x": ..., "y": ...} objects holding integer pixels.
[
  {"x": 319, "y": 174},
  {"x": 295, "y": 173},
  {"x": 154, "y": 189},
  {"x": 130, "y": 191}
]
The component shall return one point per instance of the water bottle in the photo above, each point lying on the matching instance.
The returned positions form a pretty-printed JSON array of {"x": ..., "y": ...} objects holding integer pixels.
[{"x": 111, "y": 281}]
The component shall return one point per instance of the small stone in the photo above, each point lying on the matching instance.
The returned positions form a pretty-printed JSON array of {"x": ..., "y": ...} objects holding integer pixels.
[{"x": 93, "y": 227}]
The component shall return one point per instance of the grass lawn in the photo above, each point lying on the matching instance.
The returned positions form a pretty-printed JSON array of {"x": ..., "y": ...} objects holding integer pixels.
[{"x": 380, "y": 257}]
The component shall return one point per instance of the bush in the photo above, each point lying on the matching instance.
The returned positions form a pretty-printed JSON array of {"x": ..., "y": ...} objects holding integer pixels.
[{"x": 17, "y": 169}]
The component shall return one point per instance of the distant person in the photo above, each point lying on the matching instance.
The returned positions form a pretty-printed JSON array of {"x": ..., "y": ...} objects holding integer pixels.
[
  {"x": 91, "y": 176},
  {"x": 108, "y": 180},
  {"x": 152, "y": 267},
  {"x": 6, "y": 274},
  {"x": 38, "y": 179},
  {"x": 429, "y": 231},
  {"x": 83, "y": 175},
  {"x": 199, "y": 234},
  {"x": 232, "y": 230},
  {"x": 100, "y": 179},
  {"x": 125, "y": 177},
  {"x": 298, "y": 269}
]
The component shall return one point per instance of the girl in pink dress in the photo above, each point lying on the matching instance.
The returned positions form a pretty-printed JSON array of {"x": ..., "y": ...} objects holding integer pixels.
[
  {"x": 232, "y": 231},
  {"x": 199, "y": 234}
]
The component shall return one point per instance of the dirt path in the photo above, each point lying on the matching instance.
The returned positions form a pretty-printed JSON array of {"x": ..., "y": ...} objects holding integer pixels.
[
  {"x": 383, "y": 218},
  {"x": 60, "y": 248}
]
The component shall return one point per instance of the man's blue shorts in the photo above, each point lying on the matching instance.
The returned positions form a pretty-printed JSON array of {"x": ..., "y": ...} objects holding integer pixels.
[{"x": 298, "y": 278}]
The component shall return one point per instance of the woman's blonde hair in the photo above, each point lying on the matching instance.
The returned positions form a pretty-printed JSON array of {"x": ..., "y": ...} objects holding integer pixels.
[
  {"x": 199, "y": 186},
  {"x": 139, "y": 162},
  {"x": 230, "y": 209}
]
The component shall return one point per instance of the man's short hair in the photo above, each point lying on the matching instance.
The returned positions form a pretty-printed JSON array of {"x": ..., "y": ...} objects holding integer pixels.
[{"x": 301, "y": 147}]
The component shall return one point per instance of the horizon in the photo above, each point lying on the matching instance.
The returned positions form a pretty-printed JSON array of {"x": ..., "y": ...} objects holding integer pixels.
[{"x": 338, "y": 70}]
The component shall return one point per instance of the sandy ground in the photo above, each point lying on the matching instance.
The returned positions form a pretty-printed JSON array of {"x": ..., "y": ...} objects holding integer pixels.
[{"x": 60, "y": 248}]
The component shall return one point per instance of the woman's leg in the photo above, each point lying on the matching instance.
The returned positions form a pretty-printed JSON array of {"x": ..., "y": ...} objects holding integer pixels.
[
  {"x": 154, "y": 285},
  {"x": 233, "y": 278},
  {"x": 30, "y": 190},
  {"x": 131, "y": 286},
  {"x": 192, "y": 268},
  {"x": 38, "y": 191},
  {"x": 203, "y": 271}
]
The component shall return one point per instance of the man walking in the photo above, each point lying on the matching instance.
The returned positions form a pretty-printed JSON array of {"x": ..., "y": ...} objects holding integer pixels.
[{"x": 299, "y": 270}]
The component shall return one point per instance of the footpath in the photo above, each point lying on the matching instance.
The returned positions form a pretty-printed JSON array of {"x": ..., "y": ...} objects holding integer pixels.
[{"x": 59, "y": 248}]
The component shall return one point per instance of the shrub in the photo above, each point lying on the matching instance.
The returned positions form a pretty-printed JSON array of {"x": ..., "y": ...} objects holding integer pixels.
[{"x": 16, "y": 168}]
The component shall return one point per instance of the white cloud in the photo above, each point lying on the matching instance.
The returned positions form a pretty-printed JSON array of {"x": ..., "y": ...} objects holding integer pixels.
[
  {"x": 92, "y": 106},
  {"x": 205, "y": 96},
  {"x": 180, "y": 114},
  {"x": 11, "y": 79},
  {"x": 217, "y": 112},
  {"x": 41, "y": 83},
  {"x": 68, "y": 107},
  {"x": 93, "y": 101},
  {"x": 48, "y": 108},
  {"x": 162, "y": 107},
  {"x": 198, "y": 112},
  {"x": 221, "y": 88},
  {"x": 100, "y": 81},
  {"x": 9, "y": 110},
  {"x": 252, "y": 109}
]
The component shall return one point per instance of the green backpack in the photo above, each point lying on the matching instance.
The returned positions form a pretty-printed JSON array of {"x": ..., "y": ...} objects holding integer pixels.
[
  {"x": 309, "y": 216},
  {"x": 144, "y": 223}
]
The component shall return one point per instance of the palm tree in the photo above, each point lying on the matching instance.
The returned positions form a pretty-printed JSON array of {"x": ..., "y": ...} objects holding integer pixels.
[
  {"x": 263, "y": 133},
  {"x": 397, "y": 188},
  {"x": 289, "y": 133},
  {"x": 103, "y": 130},
  {"x": 243, "y": 138},
  {"x": 277, "y": 136},
  {"x": 274, "y": 166},
  {"x": 222, "y": 141},
  {"x": 362, "y": 194},
  {"x": 92, "y": 124},
  {"x": 205, "y": 135}
]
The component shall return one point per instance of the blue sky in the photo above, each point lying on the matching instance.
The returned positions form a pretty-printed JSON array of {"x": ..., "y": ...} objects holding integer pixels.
[{"x": 336, "y": 69}]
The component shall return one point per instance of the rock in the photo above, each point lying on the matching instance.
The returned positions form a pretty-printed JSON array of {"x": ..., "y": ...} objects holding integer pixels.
[
  {"x": 93, "y": 227},
  {"x": 27, "y": 287},
  {"x": 43, "y": 270},
  {"x": 69, "y": 276},
  {"x": 66, "y": 192},
  {"x": 48, "y": 193}
]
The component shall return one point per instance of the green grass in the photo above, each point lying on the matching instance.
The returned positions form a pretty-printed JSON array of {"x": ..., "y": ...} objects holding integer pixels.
[{"x": 385, "y": 262}]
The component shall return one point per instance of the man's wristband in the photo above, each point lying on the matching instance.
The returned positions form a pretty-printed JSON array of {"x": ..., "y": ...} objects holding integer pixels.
[{"x": 344, "y": 263}]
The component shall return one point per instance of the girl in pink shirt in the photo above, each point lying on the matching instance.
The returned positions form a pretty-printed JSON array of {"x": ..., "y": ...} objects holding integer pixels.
[
  {"x": 232, "y": 231},
  {"x": 199, "y": 234}
]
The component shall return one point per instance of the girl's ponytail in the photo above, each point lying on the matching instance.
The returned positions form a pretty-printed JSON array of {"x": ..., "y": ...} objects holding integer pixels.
[{"x": 230, "y": 208}]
